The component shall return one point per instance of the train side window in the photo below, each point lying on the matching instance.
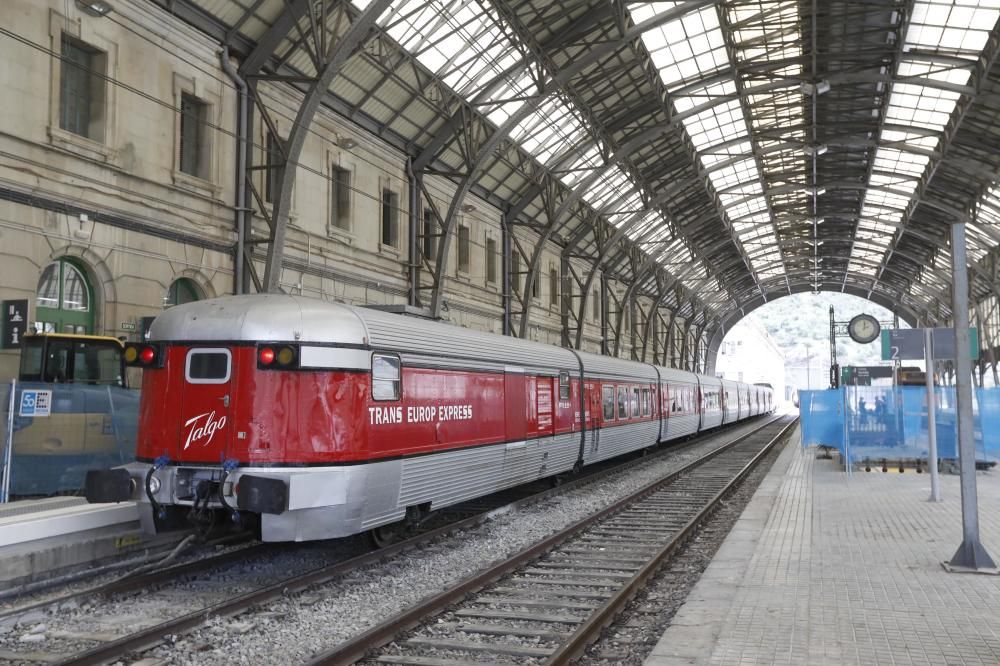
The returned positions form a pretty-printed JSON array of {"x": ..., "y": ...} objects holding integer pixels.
[
  {"x": 608, "y": 399},
  {"x": 564, "y": 385},
  {"x": 622, "y": 402},
  {"x": 645, "y": 402},
  {"x": 208, "y": 366},
  {"x": 635, "y": 402},
  {"x": 386, "y": 383}
]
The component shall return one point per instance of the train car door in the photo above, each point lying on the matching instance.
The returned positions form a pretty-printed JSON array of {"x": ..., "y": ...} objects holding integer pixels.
[
  {"x": 593, "y": 415},
  {"x": 516, "y": 463},
  {"x": 515, "y": 404},
  {"x": 206, "y": 403}
]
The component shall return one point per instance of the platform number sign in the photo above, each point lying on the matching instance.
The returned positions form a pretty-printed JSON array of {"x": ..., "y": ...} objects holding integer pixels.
[
  {"x": 908, "y": 344},
  {"x": 15, "y": 320},
  {"x": 35, "y": 403}
]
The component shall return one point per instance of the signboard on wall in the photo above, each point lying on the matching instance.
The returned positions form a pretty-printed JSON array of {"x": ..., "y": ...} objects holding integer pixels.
[{"x": 15, "y": 321}]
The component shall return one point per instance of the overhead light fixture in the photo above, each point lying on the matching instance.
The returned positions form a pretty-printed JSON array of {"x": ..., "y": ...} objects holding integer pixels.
[
  {"x": 814, "y": 149},
  {"x": 96, "y": 8},
  {"x": 818, "y": 191},
  {"x": 347, "y": 142},
  {"x": 468, "y": 208},
  {"x": 812, "y": 89}
]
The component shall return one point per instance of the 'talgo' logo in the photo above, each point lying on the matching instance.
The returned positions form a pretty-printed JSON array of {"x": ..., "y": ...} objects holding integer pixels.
[{"x": 206, "y": 429}]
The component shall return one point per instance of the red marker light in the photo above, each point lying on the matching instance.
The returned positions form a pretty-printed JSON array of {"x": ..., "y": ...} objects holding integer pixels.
[
  {"x": 266, "y": 356},
  {"x": 147, "y": 355}
]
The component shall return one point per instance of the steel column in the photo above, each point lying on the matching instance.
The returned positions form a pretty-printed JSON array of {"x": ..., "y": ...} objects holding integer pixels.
[{"x": 971, "y": 555}]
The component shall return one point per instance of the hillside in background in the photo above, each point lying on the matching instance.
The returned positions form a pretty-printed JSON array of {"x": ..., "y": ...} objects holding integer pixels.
[{"x": 793, "y": 321}]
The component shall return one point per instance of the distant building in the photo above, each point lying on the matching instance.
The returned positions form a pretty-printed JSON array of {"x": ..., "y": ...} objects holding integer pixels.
[{"x": 749, "y": 354}]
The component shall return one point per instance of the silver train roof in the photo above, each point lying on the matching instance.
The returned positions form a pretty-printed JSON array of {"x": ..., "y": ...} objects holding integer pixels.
[{"x": 262, "y": 317}]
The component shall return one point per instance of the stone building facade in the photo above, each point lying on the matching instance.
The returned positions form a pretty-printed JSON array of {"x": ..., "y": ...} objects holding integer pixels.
[{"x": 118, "y": 187}]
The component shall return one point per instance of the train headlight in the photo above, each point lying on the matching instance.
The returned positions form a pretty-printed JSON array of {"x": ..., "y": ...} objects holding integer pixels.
[
  {"x": 154, "y": 485},
  {"x": 147, "y": 355},
  {"x": 266, "y": 356},
  {"x": 144, "y": 355},
  {"x": 286, "y": 356}
]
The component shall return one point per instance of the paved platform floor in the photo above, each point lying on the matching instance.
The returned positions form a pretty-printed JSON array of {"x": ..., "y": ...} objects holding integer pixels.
[{"x": 822, "y": 569}]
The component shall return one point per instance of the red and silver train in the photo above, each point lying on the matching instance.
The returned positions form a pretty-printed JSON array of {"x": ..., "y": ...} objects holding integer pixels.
[{"x": 328, "y": 420}]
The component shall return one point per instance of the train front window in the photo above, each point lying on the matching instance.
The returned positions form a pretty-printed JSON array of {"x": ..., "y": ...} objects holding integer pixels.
[{"x": 208, "y": 366}]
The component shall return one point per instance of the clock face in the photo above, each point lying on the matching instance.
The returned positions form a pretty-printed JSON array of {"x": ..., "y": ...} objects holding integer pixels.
[{"x": 863, "y": 328}]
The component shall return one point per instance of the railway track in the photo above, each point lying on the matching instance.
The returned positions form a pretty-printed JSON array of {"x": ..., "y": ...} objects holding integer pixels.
[
  {"x": 111, "y": 648},
  {"x": 546, "y": 603}
]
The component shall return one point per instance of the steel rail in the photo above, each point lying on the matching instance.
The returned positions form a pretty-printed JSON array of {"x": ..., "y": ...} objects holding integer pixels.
[
  {"x": 591, "y": 628},
  {"x": 359, "y": 646},
  {"x": 151, "y": 636}
]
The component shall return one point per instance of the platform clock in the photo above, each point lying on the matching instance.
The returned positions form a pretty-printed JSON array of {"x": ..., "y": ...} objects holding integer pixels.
[{"x": 863, "y": 328}]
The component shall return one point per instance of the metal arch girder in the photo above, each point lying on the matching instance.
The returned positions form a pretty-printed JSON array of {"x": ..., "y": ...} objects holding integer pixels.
[
  {"x": 988, "y": 58},
  {"x": 338, "y": 54},
  {"x": 294, "y": 10},
  {"x": 527, "y": 108}
]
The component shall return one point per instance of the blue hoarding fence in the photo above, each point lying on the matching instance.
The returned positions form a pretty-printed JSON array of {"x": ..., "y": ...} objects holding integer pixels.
[
  {"x": 871, "y": 423},
  {"x": 54, "y": 433}
]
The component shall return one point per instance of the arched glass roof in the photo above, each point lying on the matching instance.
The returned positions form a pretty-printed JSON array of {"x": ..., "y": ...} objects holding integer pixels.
[{"x": 740, "y": 150}]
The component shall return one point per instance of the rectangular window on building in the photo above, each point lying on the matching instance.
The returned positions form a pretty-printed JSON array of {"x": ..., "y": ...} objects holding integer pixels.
[
  {"x": 194, "y": 157},
  {"x": 275, "y": 167},
  {"x": 596, "y": 306},
  {"x": 554, "y": 287},
  {"x": 429, "y": 244},
  {"x": 81, "y": 89},
  {"x": 340, "y": 198},
  {"x": 464, "y": 248},
  {"x": 491, "y": 260},
  {"x": 390, "y": 217},
  {"x": 535, "y": 289}
]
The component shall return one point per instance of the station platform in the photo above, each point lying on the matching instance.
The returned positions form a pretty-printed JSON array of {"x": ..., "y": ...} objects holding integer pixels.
[
  {"x": 826, "y": 569},
  {"x": 47, "y": 538}
]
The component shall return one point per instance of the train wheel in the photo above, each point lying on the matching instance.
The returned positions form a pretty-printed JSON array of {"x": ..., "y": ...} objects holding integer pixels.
[{"x": 386, "y": 535}]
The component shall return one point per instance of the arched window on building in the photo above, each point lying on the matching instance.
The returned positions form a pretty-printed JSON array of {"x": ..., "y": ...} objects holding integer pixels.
[
  {"x": 183, "y": 290},
  {"x": 64, "y": 302}
]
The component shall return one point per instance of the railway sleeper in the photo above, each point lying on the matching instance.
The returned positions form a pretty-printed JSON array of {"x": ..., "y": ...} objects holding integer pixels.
[
  {"x": 514, "y": 615},
  {"x": 496, "y": 648},
  {"x": 534, "y": 603},
  {"x": 507, "y": 630}
]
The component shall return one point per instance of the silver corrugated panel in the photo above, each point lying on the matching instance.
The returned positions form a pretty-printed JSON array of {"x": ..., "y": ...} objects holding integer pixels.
[
  {"x": 712, "y": 420},
  {"x": 710, "y": 382},
  {"x": 622, "y": 439},
  {"x": 607, "y": 366},
  {"x": 393, "y": 331},
  {"x": 681, "y": 426},
  {"x": 446, "y": 478},
  {"x": 678, "y": 376}
]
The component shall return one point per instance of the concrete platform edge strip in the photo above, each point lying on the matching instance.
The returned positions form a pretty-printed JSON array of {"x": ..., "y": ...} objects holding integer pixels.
[{"x": 68, "y": 520}]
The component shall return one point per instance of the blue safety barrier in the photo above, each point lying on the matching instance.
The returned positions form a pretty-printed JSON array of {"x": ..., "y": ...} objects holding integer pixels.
[
  {"x": 62, "y": 430},
  {"x": 874, "y": 423}
]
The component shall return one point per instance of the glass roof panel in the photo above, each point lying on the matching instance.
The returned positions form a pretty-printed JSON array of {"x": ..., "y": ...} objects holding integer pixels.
[{"x": 956, "y": 28}]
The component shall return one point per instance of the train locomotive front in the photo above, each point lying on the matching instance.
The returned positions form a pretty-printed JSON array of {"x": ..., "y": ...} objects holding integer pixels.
[{"x": 255, "y": 406}]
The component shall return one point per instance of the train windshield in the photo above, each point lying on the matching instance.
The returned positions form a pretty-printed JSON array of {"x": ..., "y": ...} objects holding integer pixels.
[{"x": 71, "y": 361}]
